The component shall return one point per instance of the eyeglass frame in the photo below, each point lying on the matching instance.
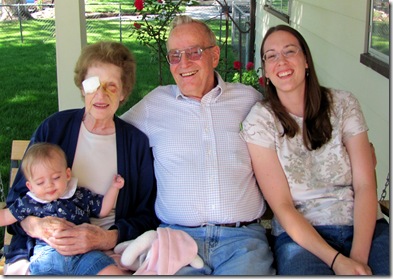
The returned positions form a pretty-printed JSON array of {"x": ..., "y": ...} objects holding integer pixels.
[
  {"x": 180, "y": 52},
  {"x": 279, "y": 53}
]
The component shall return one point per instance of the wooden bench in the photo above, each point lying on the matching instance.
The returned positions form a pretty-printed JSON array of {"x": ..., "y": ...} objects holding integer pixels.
[{"x": 17, "y": 151}]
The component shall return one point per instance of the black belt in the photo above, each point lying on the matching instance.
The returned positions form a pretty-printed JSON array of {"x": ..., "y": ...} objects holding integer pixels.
[{"x": 230, "y": 225}]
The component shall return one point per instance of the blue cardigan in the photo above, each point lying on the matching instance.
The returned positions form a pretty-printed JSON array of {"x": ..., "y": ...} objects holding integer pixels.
[{"x": 135, "y": 203}]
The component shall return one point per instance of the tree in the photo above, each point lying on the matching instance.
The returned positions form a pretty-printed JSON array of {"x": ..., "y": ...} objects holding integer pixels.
[
  {"x": 152, "y": 30},
  {"x": 10, "y": 10}
]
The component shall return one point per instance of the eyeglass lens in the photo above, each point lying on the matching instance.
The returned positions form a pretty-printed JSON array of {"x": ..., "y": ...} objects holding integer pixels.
[
  {"x": 192, "y": 53},
  {"x": 287, "y": 52}
]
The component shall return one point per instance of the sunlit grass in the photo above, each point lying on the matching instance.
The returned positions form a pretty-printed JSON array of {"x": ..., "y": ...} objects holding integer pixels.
[{"x": 380, "y": 44}]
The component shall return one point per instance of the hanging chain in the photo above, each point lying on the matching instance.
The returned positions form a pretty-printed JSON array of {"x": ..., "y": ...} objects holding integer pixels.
[{"x": 383, "y": 194}]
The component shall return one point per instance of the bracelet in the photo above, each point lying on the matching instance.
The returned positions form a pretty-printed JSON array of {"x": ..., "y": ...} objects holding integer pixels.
[{"x": 335, "y": 257}]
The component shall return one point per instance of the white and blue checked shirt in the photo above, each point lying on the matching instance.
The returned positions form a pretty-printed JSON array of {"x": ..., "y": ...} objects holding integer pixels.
[{"x": 202, "y": 166}]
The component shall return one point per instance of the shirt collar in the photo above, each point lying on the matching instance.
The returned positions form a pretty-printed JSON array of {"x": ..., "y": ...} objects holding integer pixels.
[
  {"x": 70, "y": 191},
  {"x": 216, "y": 92}
]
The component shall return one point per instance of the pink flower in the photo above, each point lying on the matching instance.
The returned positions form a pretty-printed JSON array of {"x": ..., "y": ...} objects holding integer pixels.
[
  {"x": 137, "y": 25},
  {"x": 261, "y": 81},
  {"x": 138, "y": 5},
  {"x": 237, "y": 65},
  {"x": 250, "y": 66}
]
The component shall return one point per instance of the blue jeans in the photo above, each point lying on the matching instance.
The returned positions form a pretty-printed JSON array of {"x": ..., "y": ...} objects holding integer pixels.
[
  {"x": 292, "y": 259},
  {"x": 230, "y": 251},
  {"x": 47, "y": 261}
]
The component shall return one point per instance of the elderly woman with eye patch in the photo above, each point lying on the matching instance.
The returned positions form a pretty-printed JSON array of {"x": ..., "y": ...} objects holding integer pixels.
[{"x": 98, "y": 145}]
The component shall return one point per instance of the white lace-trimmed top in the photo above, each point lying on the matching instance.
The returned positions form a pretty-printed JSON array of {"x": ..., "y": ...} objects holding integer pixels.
[{"x": 320, "y": 181}]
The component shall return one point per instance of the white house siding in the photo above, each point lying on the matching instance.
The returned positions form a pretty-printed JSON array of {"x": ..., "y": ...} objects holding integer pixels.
[{"x": 335, "y": 32}]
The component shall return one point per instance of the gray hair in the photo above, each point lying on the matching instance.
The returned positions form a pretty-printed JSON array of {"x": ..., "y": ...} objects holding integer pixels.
[{"x": 184, "y": 19}]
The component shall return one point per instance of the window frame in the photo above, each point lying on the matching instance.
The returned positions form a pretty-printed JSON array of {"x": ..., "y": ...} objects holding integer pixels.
[
  {"x": 372, "y": 58},
  {"x": 283, "y": 16}
]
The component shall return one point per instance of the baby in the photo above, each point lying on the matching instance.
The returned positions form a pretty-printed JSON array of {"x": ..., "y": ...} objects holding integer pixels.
[{"x": 53, "y": 192}]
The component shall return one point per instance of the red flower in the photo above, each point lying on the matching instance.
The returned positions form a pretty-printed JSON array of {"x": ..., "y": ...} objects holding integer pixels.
[
  {"x": 261, "y": 81},
  {"x": 138, "y": 5},
  {"x": 137, "y": 25},
  {"x": 237, "y": 65},
  {"x": 250, "y": 66},
  {"x": 159, "y": 1}
]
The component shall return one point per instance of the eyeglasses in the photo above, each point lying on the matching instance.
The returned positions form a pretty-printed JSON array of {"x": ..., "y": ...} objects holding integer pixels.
[
  {"x": 192, "y": 53},
  {"x": 271, "y": 56}
]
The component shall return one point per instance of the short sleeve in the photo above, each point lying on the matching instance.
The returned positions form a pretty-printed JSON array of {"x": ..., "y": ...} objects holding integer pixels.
[
  {"x": 92, "y": 200},
  {"x": 259, "y": 127},
  {"x": 353, "y": 119},
  {"x": 21, "y": 208}
]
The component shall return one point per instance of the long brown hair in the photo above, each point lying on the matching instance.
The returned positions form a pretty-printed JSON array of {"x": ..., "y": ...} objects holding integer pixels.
[{"x": 317, "y": 129}]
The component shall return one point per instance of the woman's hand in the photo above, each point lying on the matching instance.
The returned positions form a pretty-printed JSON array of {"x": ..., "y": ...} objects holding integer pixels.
[
  {"x": 45, "y": 227},
  {"x": 82, "y": 238},
  {"x": 347, "y": 266}
]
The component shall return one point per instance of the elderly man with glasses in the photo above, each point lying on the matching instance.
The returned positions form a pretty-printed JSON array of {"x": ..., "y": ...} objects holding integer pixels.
[{"x": 205, "y": 182}]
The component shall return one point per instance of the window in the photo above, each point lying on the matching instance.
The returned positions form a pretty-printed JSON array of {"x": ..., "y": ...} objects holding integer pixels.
[
  {"x": 279, "y": 8},
  {"x": 377, "y": 50}
]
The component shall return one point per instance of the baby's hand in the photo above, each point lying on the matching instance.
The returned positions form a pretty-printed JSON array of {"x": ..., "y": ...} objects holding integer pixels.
[{"x": 118, "y": 181}]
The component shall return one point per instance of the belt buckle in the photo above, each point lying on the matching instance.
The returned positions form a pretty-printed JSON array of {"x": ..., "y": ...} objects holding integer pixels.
[
  {"x": 233, "y": 225},
  {"x": 206, "y": 224},
  {"x": 228, "y": 225}
]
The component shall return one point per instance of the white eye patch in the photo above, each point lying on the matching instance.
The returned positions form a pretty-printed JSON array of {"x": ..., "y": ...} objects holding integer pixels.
[{"x": 91, "y": 84}]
